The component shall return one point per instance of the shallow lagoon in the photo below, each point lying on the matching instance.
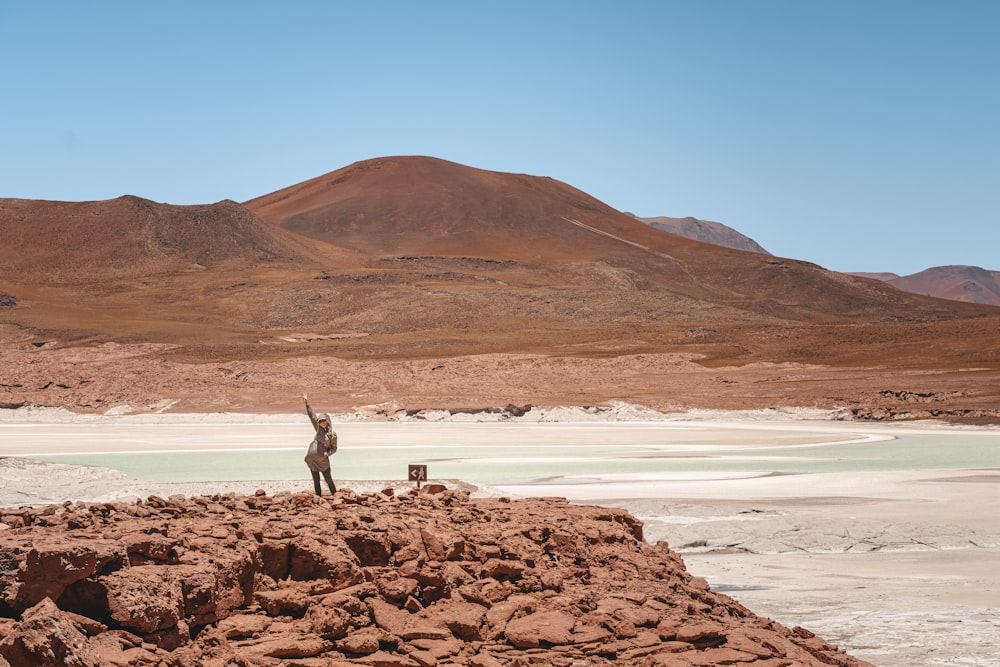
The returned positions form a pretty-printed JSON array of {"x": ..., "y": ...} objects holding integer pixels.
[{"x": 503, "y": 454}]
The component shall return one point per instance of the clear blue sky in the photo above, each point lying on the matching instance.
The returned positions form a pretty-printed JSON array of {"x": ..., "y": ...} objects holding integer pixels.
[{"x": 858, "y": 134}]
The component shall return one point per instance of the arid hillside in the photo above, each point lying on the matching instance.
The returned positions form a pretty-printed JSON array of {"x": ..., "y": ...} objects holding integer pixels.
[
  {"x": 83, "y": 243},
  {"x": 957, "y": 282},
  {"x": 444, "y": 226},
  {"x": 414, "y": 258}
]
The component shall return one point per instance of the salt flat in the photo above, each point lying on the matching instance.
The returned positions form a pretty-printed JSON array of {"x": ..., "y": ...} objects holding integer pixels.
[{"x": 880, "y": 538}]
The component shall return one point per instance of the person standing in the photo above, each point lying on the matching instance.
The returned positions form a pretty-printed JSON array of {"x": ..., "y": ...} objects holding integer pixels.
[{"x": 324, "y": 444}]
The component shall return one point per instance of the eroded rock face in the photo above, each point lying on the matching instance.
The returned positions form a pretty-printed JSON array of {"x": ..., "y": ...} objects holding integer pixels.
[{"x": 411, "y": 580}]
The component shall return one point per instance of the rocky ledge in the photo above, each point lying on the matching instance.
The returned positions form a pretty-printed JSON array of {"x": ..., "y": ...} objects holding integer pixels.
[{"x": 414, "y": 579}]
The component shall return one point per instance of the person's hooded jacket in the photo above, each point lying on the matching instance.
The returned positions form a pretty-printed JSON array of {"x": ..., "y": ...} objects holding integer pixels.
[{"x": 324, "y": 442}]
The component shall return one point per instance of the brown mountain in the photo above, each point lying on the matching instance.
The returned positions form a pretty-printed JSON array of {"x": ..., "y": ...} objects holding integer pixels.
[
  {"x": 971, "y": 284},
  {"x": 961, "y": 283},
  {"x": 414, "y": 258},
  {"x": 705, "y": 231},
  {"x": 420, "y": 207},
  {"x": 135, "y": 270},
  {"x": 51, "y": 242},
  {"x": 507, "y": 248},
  {"x": 541, "y": 234}
]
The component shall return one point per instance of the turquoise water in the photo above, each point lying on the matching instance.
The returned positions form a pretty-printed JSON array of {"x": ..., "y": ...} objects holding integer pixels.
[{"x": 530, "y": 462}]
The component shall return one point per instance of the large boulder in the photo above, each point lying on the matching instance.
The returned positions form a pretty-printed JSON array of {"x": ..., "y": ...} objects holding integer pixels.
[
  {"x": 31, "y": 571},
  {"x": 553, "y": 628},
  {"x": 46, "y": 636}
]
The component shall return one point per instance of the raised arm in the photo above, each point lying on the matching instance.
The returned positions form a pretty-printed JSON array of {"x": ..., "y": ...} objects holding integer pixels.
[{"x": 309, "y": 411}]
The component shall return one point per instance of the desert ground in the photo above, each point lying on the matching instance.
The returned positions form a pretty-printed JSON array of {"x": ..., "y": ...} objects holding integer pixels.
[
  {"x": 897, "y": 566},
  {"x": 126, "y": 378}
]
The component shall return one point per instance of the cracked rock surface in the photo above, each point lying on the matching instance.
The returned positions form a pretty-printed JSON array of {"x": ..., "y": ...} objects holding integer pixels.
[{"x": 413, "y": 579}]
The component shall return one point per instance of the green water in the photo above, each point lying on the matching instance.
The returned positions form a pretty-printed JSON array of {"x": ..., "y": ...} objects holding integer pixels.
[{"x": 529, "y": 461}]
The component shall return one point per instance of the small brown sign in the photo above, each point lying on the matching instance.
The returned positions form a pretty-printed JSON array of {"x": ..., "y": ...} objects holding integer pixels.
[{"x": 418, "y": 474}]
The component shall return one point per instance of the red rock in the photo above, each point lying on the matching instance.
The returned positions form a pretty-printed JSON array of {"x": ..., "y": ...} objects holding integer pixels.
[
  {"x": 487, "y": 592},
  {"x": 371, "y": 549},
  {"x": 384, "y": 659},
  {"x": 328, "y": 622},
  {"x": 426, "y": 629},
  {"x": 285, "y": 601},
  {"x": 44, "y": 568},
  {"x": 497, "y": 615},
  {"x": 441, "y": 544},
  {"x": 586, "y": 634},
  {"x": 48, "y": 637},
  {"x": 241, "y": 626},
  {"x": 313, "y": 559},
  {"x": 674, "y": 647},
  {"x": 484, "y": 660},
  {"x": 295, "y": 581},
  {"x": 388, "y": 616},
  {"x": 668, "y": 660},
  {"x": 625, "y": 629},
  {"x": 503, "y": 569},
  {"x": 646, "y": 638},
  {"x": 361, "y": 643},
  {"x": 743, "y": 643},
  {"x": 439, "y": 648},
  {"x": 143, "y": 548},
  {"x": 464, "y": 619},
  {"x": 422, "y": 658},
  {"x": 718, "y": 656},
  {"x": 143, "y": 599},
  {"x": 289, "y": 646},
  {"x": 395, "y": 587},
  {"x": 550, "y": 627},
  {"x": 694, "y": 633},
  {"x": 170, "y": 638}
]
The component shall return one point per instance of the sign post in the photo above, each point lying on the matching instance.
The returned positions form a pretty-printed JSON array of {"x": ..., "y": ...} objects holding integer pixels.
[{"x": 418, "y": 474}]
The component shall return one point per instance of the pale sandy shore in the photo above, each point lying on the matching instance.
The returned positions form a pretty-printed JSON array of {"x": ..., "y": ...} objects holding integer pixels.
[
  {"x": 903, "y": 568},
  {"x": 899, "y": 567}
]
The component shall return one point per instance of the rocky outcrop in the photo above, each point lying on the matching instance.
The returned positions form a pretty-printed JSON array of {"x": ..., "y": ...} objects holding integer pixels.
[
  {"x": 428, "y": 577},
  {"x": 902, "y": 405}
]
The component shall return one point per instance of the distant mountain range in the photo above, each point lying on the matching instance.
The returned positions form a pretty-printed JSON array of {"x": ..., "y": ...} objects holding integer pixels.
[
  {"x": 417, "y": 256},
  {"x": 958, "y": 283}
]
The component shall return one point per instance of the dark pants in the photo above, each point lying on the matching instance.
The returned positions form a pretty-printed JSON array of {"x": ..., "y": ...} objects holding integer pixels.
[{"x": 329, "y": 482}]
